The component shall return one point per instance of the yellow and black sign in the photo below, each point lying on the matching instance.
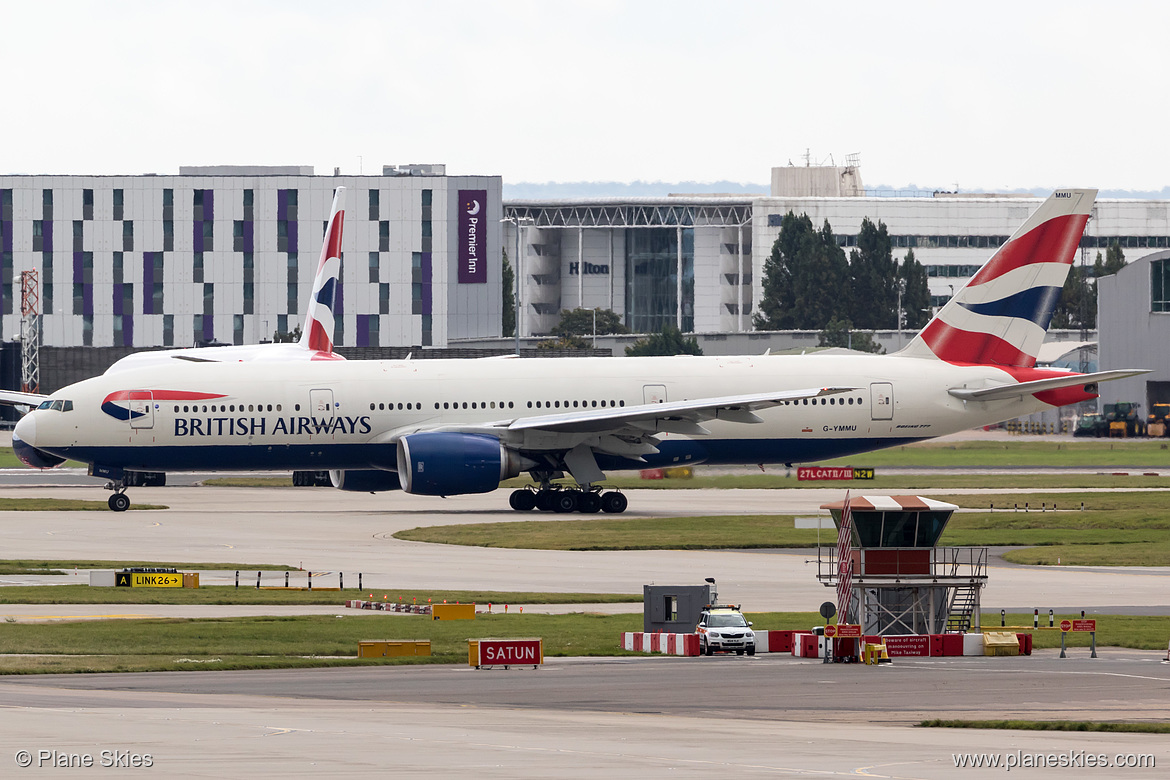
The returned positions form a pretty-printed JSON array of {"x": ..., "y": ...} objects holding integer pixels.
[
  {"x": 134, "y": 579},
  {"x": 863, "y": 473}
]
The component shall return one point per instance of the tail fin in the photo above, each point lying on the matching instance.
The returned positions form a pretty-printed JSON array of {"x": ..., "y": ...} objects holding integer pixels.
[
  {"x": 317, "y": 334},
  {"x": 1001, "y": 315}
]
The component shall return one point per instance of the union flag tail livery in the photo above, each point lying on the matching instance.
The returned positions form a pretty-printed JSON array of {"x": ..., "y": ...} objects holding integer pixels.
[
  {"x": 1000, "y": 317},
  {"x": 317, "y": 334}
]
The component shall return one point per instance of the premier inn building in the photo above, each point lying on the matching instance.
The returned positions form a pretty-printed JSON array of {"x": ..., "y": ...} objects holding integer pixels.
[{"x": 227, "y": 255}]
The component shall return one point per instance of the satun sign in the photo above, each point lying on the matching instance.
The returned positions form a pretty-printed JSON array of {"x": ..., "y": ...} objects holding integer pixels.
[
  {"x": 472, "y": 238},
  {"x": 505, "y": 652}
]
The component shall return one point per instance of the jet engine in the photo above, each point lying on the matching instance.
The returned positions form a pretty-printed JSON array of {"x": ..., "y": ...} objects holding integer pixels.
[
  {"x": 451, "y": 464},
  {"x": 364, "y": 481}
]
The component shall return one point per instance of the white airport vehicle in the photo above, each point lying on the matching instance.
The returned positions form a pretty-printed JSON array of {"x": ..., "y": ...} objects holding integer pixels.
[
  {"x": 449, "y": 427},
  {"x": 725, "y": 630}
]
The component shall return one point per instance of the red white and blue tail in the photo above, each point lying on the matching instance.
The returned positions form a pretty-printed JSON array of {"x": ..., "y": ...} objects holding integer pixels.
[
  {"x": 1000, "y": 317},
  {"x": 317, "y": 334}
]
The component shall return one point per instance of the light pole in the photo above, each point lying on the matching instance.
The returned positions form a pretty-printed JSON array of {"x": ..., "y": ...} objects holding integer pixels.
[{"x": 519, "y": 222}]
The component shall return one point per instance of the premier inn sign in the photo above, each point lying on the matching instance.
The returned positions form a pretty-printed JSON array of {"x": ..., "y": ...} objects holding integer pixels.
[{"x": 472, "y": 237}]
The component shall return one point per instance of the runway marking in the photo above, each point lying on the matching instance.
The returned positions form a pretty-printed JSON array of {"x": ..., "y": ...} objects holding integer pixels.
[{"x": 864, "y": 771}]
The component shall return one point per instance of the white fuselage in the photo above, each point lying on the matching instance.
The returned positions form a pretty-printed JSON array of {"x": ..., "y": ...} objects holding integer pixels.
[{"x": 348, "y": 414}]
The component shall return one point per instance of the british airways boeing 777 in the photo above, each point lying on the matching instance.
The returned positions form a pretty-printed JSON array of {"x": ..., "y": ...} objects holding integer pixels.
[{"x": 447, "y": 427}]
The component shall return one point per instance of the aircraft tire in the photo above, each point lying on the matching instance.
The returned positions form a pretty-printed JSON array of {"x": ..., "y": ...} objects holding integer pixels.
[
  {"x": 614, "y": 503},
  {"x": 589, "y": 503},
  {"x": 566, "y": 501},
  {"x": 118, "y": 502},
  {"x": 522, "y": 500},
  {"x": 544, "y": 500}
]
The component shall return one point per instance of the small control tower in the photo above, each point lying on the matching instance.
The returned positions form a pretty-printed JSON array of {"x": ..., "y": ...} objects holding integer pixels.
[{"x": 902, "y": 581}]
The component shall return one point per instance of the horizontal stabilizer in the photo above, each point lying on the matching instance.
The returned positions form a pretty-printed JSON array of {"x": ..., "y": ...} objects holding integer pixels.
[{"x": 1040, "y": 385}]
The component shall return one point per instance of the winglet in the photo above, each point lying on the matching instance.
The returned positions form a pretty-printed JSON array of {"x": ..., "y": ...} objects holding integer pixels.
[{"x": 317, "y": 334}]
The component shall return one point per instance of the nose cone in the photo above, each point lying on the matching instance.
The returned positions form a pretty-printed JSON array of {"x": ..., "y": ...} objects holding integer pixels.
[
  {"x": 26, "y": 429},
  {"x": 23, "y": 437}
]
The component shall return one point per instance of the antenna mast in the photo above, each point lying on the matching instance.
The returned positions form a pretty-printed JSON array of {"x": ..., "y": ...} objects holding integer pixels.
[{"x": 30, "y": 332}]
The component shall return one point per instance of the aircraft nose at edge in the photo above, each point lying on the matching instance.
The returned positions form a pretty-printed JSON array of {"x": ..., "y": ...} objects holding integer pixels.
[{"x": 25, "y": 430}]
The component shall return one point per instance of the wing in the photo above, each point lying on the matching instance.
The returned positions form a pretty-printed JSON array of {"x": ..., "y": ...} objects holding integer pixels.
[
  {"x": 568, "y": 441},
  {"x": 17, "y": 398}
]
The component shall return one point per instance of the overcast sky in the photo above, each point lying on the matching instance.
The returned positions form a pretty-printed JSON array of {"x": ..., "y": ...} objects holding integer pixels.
[{"x": 985, "y": 95}]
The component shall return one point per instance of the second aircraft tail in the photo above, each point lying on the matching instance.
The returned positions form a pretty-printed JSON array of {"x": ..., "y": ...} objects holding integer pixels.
[{"x": 317, "y": 333}]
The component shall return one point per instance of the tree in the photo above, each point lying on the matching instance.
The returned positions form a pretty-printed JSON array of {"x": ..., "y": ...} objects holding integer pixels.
[
  {"x": 804, "y": 277},
  {"x": 668, "y": 341},
  {"x": 508, "y": 281},
  {"x": 564, "y": 342},
  {"x": 873, "y": 291},
  {"x": 840, "y": 333},
  {"x": 284, "y": 337},
  {"x": 579, "y": 322},
  {"x": 1114, "y": 261},
  {"x": 1077, "y": 307},
  {"x": 915, "y": 293}
]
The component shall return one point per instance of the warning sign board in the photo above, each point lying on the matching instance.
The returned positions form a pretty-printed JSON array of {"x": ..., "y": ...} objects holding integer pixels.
[{"x": 1078, "y": 625}]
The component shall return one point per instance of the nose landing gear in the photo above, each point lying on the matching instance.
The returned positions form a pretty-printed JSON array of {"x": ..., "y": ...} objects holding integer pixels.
[{"x": 119, "y": 502}]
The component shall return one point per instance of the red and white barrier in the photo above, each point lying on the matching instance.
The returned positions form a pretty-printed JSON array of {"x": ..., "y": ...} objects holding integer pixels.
[
  {"x": 670, "y": 644},
  {"x": 774, "y": 641}
]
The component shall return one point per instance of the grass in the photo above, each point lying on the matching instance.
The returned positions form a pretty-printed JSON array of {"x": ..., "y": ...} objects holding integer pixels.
[
  {"x": 62, "y": 505},
  {"x": 1049, "y": 725},
  {"x": 249, "y": 482},
  {"x": 1022, "y": 451},
  {"x": 282, "y": 642},
  {"x": 248, "y": 594},
  {"x": 674, "y": 533},
  {"x": 20, "y": 566},
  {"x": 1115, "y": 529},
  {"x": 925, "y": 481}
]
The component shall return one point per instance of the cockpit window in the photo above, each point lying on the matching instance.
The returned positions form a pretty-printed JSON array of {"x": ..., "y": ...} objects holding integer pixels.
[
  {"x": 67, "y": 406},
  {"x": 58, "y": 405},
  {"x": 45, "y": 404}
]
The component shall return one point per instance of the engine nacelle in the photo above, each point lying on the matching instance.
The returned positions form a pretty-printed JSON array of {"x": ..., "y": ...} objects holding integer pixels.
[
  {"x": 451, "y": 464},
  {"x": 364, "y": 481}
]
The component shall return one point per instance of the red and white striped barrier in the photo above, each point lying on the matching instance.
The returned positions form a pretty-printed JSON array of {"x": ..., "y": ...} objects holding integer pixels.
[{"x": 670, "y": 644}]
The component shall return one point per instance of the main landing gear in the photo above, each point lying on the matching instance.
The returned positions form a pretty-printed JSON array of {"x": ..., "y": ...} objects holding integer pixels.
[{"x": 554, "y": 498}]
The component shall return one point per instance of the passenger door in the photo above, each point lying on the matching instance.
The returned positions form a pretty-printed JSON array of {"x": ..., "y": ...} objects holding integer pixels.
[
  {"x": 881, "y": 401},
  {"x": 141, "y": 406},
  {"x": 654, "y": 394}
]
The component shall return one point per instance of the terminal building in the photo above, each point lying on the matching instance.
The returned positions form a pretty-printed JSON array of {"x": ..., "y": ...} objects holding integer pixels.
[{"x": 698, "y": 261}]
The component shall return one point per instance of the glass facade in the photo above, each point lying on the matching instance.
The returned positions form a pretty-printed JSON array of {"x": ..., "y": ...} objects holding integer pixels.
[
  {"x": 652, "y": 256},
  {"x": 1159, "y": 286}
]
